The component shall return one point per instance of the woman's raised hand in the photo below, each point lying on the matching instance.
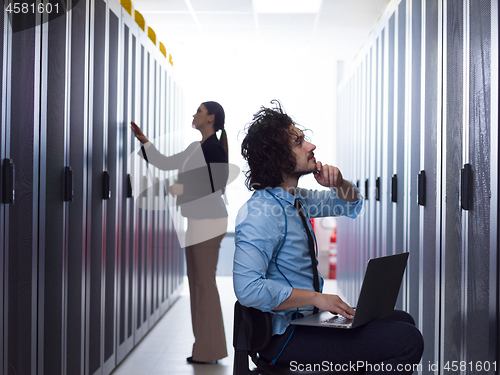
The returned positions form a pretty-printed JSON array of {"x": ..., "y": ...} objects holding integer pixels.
[{"x": 138, "y": 132}]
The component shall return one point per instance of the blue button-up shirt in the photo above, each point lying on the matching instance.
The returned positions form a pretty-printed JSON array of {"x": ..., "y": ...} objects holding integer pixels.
[{"x": 272, "y": 251}]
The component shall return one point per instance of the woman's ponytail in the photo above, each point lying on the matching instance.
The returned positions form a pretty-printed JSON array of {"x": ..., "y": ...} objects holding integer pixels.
[{"x": 223, "y": 139}]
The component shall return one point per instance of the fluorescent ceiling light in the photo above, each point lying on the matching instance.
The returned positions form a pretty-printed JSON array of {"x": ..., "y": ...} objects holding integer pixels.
[{"x": 287, "y": 6}]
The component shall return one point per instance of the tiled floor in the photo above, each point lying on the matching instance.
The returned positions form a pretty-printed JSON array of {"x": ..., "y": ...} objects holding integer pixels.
[{"x": 164, "y": 350}]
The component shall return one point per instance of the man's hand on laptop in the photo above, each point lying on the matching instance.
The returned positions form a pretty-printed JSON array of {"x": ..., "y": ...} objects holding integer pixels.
[
  {"x": 333, "y": 304},
  {"x": 326, "y": 302}
]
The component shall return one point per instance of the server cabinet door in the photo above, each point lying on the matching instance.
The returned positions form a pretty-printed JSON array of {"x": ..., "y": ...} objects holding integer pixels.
[
  {"x": 153, "y": 197},
  {"x": 52, "y": 207},
  {"x": 161, "y": 195},
  {"x": 21, "y": 218},
  {"x": 142, "y": 201},
  {"x": 132, "y": 207},
  {"x": 112, "y": 155},
  {"x": 451, "y": 342},
  {"x": 160, "y": 190},
  {"x": 382, "y": 147},
  {"x": 367, "y": 93},
  {"x": 168, "y": 200},
  {"x": 171, "y": 151},
  {"x": 155, "y": 249},
  {"x": 399, "y": 138},
  {"x": 373, "y": 153},
  {"x": 354, "y": 258},
  {"x": 164, "y": 215},
  {"x": 138, "y": 61},
  {"x": 389, "y": 134},
  {"x": 179, "y": 253},
  {"x": 430, "y": 158},
  {"x": 364, "y": 177},
  {"x": 181, "y": 263},
  {"x": 97, "y": 196},
  {"x": 126, "y": 234},
  {"x": 149, "y": 225},
  {"x": 347, "y": 98},
  {"x": 412, "y": 154},
  {"x": 75, "y": 290},
  {"x": 481, "y": 257}
]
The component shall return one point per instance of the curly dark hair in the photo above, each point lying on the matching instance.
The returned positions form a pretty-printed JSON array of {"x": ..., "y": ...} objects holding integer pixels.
[{"x": 267, "y": 147}]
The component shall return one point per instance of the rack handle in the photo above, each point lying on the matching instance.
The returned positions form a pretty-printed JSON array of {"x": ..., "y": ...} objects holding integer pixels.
[
  {"x": 421, "y": 188},
  {"x": 9, "y": 185},
  {"x": 128, "y": 184},
  {"x": 68, "y": 185},
  {"x": 466, "y": 187},
  {"x": 394, "y": 188},
  {"x": 106, "y": 192}
]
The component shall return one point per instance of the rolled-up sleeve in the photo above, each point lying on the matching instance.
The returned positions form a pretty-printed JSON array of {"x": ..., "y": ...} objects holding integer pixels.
[{"x": 257, "y": 235}]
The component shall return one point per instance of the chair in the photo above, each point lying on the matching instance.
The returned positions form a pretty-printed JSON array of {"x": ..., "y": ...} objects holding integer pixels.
[{"x": 252, "y": 332}]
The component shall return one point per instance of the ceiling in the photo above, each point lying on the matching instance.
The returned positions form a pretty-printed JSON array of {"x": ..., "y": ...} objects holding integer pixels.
[{"x": 340, "y": 27}]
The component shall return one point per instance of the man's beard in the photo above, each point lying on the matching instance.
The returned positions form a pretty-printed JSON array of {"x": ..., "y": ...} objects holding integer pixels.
[{"x": 305, "y": 172}]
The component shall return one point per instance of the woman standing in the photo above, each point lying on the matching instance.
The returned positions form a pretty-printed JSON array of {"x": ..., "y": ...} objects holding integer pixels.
[{"x": 202, "y": 178}]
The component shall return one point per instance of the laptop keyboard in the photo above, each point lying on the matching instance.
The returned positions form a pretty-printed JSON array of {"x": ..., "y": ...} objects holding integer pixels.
[{"x": 338, "y": 319}]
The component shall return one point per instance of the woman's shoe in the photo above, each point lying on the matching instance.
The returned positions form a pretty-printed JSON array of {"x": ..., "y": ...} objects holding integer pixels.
[{"x": 194, "y": 362}]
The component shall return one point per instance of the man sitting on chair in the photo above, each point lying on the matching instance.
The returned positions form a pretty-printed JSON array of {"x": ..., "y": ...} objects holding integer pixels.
[{"x": 275, "y": 267}]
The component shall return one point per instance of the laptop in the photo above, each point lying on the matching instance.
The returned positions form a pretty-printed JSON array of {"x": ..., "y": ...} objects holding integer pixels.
[{"x": 377, "y": 298}]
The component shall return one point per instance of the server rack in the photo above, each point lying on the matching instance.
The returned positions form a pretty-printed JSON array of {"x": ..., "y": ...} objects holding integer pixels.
[
  {"x": 69, "y": 227},
  {"x": 439, "y": 182},
  {"x": 469, "y": 30}
]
